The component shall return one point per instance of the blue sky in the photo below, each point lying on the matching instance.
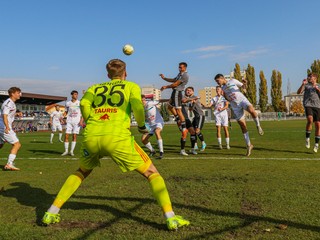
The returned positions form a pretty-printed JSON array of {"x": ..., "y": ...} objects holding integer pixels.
[{"x": 52, "y": 47}]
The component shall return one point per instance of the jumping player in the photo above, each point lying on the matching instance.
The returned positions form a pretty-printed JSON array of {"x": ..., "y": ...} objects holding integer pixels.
[
  {"x": 74, "y": 121},
  {"x": 7, "y": 114},
  {"x": 198, "y": 119},
  {"x": 106, "y": 108},
  {"x": 178, "y": 85},
  {"x": 156, "y": 123},
  {"x": 221, "y": 105},
  {"x": 239, "y": 103},
  {"x": 55, "y": 122},
  {"x": 311, "y": 103}
]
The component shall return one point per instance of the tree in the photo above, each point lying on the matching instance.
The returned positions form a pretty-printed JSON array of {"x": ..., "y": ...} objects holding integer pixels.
[
  {"x": 276, "y": 90},
  {"x": 251, "y": 85},
  {"x": 263, "y": 92},
  {"x": 315, "y": 67},
  {"x": 165, "y": 112},
  {"x": 297, "y": 107},
  {"x": 237, "y": 72}
]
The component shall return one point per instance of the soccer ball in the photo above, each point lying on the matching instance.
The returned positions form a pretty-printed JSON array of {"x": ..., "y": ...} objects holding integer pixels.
[{"x": 127, "y": 49}]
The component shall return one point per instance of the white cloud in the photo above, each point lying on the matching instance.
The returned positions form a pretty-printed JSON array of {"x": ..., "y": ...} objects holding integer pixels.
[
  {"x": 250, "y": 54},
  {"x": 47, "y": 87},
  {"x": 211, "y": 48}
]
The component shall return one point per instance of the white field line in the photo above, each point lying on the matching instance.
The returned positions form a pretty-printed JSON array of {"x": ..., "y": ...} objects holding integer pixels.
[{"x": 190, "y": 157}]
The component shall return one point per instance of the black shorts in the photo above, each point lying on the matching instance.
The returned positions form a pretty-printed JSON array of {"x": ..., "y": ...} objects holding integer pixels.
[
  {"x": 188, "y": 123},
  {"x": 175, "y": 99},
  {"x": 314, "y": 112},
  {"x": 198, "y": 122}
]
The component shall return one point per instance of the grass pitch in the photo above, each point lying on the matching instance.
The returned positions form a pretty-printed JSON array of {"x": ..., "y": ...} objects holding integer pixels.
[{"x": 273, "y": 194}]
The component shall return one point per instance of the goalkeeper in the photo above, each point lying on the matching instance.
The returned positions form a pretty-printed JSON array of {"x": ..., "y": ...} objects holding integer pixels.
[{"x": 106, "y": 108}]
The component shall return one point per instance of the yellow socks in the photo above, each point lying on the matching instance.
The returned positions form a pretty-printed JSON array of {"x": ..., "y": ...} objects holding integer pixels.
[{"x": 160, "y": 192}]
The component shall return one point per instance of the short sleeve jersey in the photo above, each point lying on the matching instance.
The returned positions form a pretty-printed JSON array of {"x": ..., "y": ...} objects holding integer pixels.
[
  {"x": 152, "y": 113},
  {"x": 107, "y": 107},
  {"x": 311, "y": 96},
  {"x": 184, "y": 78},
  {"x": 196, "y": 108},
  {"x": 73, "y": 111},
  {"x": 218, "y": 102},
  {"x": 9, "y": 108},
  {"x": 56, "y": 116},
  {"x": 232, "y": 91}
]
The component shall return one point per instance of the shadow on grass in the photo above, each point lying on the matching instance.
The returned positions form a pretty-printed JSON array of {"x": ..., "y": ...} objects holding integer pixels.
[
  {"x": 45, "y": 151},
  {"x": 41, "y": 200}
]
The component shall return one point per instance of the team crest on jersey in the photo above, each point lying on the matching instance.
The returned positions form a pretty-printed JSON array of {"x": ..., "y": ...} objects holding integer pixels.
[{"x": 104, "y": 117}]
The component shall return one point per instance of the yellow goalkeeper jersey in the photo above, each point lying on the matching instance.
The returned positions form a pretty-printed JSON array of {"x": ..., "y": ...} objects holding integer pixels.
[{"x": 106, "y": 108}]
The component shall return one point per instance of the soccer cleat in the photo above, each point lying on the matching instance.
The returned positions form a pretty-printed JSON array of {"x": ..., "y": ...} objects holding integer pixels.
[
  {"x": 220, "y": 146},
  {"x": 176, "y": 222},
  {"x": 260, "y": 130},
  {"x": 183, "y": 152},
  {"x": 64, "y": 154},
  {"x": 196, "y": 147},
  {"x": 151, "y": 154},
  {"x": 192, "y": 151},
  {"x": 308, "y": 143},
  {"x": 71, "y": 153},
  {"x": 50, "y": 218},
  {"x": 160, "y": 155},
  {"x": 11, "y": 167},
  {"x": 315, "y": 149},
  {"x": 51, "y": 142},
  {"x": 203, "y": 147},
  {"x": 249, "y": 149},
  {"x": 228, "y": 146}
]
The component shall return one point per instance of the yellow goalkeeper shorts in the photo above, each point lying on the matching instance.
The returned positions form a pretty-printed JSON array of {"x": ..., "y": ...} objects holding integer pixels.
[{"x": 124, "y": 151}]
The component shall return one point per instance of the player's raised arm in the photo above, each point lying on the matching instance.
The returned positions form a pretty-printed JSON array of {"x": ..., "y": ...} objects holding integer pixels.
[
  {"x": 167, "y": 79},
  {"x": 302, "y": 87},
  {"x": 86, "y": 104}
]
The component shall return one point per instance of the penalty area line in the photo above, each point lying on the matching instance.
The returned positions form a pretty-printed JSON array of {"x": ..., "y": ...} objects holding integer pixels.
[{"x": 190, "y": 157}]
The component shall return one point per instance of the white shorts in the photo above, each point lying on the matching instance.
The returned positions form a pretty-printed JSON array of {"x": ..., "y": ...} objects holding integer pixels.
[
  {"x": 72, "y": 128},
  {"x": 154, "y": 127},
  {"x": 11, "y": 137},
  {"x": 238, "y": 109},
  {"x": 54, "y": 127},
  {"x": 222, "y": 119}
]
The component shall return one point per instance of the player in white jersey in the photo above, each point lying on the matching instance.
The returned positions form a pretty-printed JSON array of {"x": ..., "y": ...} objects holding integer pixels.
[
  {"x": 156, "y": 123},
  {"x": 239, "y": 103},
  {"x": 55, "y": 122},
  {"x": 74, "y": 121},
  {"x": 220, "y": 112},
  {"x": 7, "y": 114}
]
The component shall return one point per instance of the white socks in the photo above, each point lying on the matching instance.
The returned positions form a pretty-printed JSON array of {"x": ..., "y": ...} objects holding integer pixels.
[
  {"x": 219, "y": 141},
  {"x": 169, "y": 214},
  {"x": 149, "y": 146},
  {"x": 60, "y": 136},
  {"x": 73, "y": 145},
  {"x": 66, "y": 146},
  {"x": 160, "y": 144},
  {"x": 227, "y": 141},
  {"x": 256, "y": 120},
  {"x": 53, "y": 209},
  {"x": 11, "y": 158},
  {"x": 51, "y": 137},
  {"x": 246, "y": 137}
]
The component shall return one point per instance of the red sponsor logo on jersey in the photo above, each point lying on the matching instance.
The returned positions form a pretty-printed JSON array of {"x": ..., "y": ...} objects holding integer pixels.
[
  {"x": 104, "y": 117},
  {"x": 106, "y": 110}
]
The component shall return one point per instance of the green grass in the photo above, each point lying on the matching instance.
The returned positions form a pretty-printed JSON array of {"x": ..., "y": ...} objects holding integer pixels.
[{"x": 224, "y": 194}]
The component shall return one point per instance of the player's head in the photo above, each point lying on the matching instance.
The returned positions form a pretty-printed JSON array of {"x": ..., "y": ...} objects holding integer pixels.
[
  {"x": 189, "y": 91},
  {"x": 116, "y": 68},
  {"x": 74, "y": 94},
  {"x": 143, "y": 99},
  {"x": 312, "y": 77},
  {"x": 14, "y": 93},
  {"x": 57, "y": 107},
  {"x": 183, "y": 66},
  {"x": 219, "y": 90},
  {"x": 220, "y": 80}
]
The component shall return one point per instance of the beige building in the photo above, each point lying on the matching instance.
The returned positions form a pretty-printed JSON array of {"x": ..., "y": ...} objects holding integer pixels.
[
  {"x": 151, "y": 90},
  {"x": 231, "y": 75},
  {"x": 206, "y": 94},
  {"x": 289, "y": 99}
]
